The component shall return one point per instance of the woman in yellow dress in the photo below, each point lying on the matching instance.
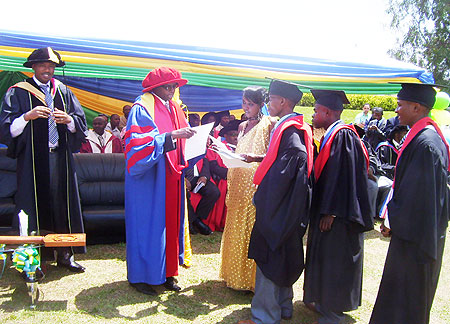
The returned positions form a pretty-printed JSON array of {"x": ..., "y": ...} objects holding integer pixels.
[{"x": 236, "y": 268}]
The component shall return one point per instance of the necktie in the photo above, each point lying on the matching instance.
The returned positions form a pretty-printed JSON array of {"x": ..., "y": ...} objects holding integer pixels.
[
  {"x": 171, "y": 113},
  {"x": 52, "y": 130},
  {"x": 101, "y": 141}
]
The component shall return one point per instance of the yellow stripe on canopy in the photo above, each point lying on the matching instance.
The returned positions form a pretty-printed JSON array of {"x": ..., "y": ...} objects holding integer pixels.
[
  {"x": 102, "y": 104},
  {"x": 182, "y": 66}
]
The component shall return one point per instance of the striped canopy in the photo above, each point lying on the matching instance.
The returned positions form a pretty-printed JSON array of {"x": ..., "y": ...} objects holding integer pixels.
[{"x": 106, "y": 74}]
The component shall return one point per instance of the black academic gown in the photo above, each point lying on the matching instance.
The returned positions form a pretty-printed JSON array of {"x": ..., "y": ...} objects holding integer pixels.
[
  {"x": 334, "y": 259},
  {"x": 282, "y": 203},
  {"x": 388, "y": 158},
  {"x": 418, "y": 217},
  {"x": 32, "y": 154}
]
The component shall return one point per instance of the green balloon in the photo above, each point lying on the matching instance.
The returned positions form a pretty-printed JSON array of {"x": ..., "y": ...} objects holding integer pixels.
[{"x": 442, "y": 101}]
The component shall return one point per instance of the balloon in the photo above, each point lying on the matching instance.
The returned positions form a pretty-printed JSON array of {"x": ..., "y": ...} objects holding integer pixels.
[
  {"x": 442, "y": 117},
  {"x": 446, "y": 133},
  {"x": 442, "y": 101}
]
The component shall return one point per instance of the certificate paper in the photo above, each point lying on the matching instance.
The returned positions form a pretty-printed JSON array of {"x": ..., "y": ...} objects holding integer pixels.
[
  {"x": 196, "y": 145},
  {"x": 230, "y": 159}
]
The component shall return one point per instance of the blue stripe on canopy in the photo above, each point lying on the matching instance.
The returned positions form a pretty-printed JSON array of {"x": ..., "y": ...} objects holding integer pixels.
[
  {"x": 194, "y": 97},
  {"x": 218, "y": 57},
  {"x": 210, "y": 99}
]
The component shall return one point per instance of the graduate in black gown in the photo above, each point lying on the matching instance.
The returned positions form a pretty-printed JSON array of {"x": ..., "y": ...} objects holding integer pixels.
[
  {"x": 387, "y": 151},
  {"x": 340, "y": 214},
  {"x": 282, "y": 203},
  {"x": 417, "y": 214},
  {"x": 43, "y": 123}
]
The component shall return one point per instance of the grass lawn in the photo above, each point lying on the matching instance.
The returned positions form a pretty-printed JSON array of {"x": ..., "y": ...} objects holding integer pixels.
[
  {"x": 102, "y": 294},
  {"x": 348, "y": 115}
]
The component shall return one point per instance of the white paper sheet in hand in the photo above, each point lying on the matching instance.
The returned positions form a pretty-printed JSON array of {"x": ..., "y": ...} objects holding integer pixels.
[
  {"x": 230, "y": 159},
  {"x": 232, "y": 162},
  {"x": 196, "y": 145}
]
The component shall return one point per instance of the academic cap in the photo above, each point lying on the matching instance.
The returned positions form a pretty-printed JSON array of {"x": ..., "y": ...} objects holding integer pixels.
[
  {"x": 332, "y": 99},
  {"x": 222, "y": 113},
  {"x": 422, "y": 93},
  {"x": 232, "y": 126},
  {"x": 286, "y": 90},
  {"x": 45, "y": 54},
  {"x": 161, "y": 76}
]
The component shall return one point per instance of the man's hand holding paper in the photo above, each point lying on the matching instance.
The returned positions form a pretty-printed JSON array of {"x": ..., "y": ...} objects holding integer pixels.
[{"x": 196, "y": 145}]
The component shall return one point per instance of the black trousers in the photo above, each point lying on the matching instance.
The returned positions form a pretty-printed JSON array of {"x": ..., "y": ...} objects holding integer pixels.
[
  {"x": 59, "y": 219},
  {"x": 210, "y": 194}
]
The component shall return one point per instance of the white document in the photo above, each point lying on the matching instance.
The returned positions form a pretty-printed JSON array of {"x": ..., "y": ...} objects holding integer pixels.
[
  {"x": 23, "y": 223},
  {"x": 199, "y": 186},
  {"x": 384, "y": 182},
  {"x": 196, "y": 145},
  {"x": 230, "y": 159}
]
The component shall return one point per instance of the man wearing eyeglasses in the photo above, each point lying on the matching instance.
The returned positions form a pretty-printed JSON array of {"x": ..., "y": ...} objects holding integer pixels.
[{"x": 155, "y": 137}]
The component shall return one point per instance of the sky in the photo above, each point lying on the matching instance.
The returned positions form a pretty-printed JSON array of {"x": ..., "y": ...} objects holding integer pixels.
[{"x": 347, "y": 30}]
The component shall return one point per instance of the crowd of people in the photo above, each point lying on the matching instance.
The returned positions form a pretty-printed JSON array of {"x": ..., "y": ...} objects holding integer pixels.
[{"x": 331, "y": 189}]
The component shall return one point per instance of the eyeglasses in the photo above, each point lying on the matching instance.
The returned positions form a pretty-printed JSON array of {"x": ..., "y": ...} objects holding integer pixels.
[{"x": 169, "y": 87}]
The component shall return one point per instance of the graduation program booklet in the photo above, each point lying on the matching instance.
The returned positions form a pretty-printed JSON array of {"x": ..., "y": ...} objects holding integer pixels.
[
  {"x": 196, "y": 145},
  {"x": 230, "y": 159}
]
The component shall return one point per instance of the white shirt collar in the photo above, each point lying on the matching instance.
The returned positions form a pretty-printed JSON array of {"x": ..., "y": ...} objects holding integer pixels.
[
  {"x": 282, "y": 119},
  {"x": 331, "y": 126},
  {"x": 396, "y": 145},
  {"x": 39, "y": 83},
  {"x": 165, "y": 103}
]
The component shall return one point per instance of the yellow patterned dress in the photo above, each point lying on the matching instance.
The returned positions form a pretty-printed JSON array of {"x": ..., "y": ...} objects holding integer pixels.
[{"x": 236, "y": 268}]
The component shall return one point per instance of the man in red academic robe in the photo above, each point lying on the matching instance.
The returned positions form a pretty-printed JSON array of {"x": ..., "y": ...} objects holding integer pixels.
[{"x": 154, "y": 183}]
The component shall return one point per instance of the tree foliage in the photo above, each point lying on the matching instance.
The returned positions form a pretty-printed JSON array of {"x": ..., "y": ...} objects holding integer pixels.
[{"x": 426, "y": 39}]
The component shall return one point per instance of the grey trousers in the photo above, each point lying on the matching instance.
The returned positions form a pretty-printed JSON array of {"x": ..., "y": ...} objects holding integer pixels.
[{"x": 270, "y": 301}]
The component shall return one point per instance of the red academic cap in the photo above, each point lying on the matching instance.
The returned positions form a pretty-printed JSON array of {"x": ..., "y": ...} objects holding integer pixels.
[{"x": 161, "y": 76}]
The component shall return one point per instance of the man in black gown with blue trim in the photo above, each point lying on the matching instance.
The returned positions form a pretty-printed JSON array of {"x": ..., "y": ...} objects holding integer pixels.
[{"x": 417, "y": 213}]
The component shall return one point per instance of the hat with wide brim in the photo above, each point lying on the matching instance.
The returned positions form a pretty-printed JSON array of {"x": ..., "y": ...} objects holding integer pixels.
[
  {"x": 232, "y": 126},
  {"x": 161, "y": 76},
  {"x": 45, "y": 54}
]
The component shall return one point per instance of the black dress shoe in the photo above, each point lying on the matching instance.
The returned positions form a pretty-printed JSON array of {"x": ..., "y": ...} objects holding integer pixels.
[
  {"x": 71, "y": 265},
  {"x": 311, "y": 307},
  {"x": 192, "y": 230},
  {"x": 144, "y": 288},
  {"x": 201, "y": 227},
  {"x": 170, "y": 284},
  {"x": 286, "y": 317}
]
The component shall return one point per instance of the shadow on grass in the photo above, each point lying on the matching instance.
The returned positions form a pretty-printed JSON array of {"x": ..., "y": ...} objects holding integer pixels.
[
  {"x": 300, "y": 315},
  {"x": 17, "y": 299},
  {"x": 237, "y": 315},
  {"x": 190, "y": 303},
  {"x": 375, "y": 235},
  {"x": 104, "y": 301},
  {"x": 104, "y": 252},
  {"x": 209, "y": 244},
  {"x": 303, "y": 315}
]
